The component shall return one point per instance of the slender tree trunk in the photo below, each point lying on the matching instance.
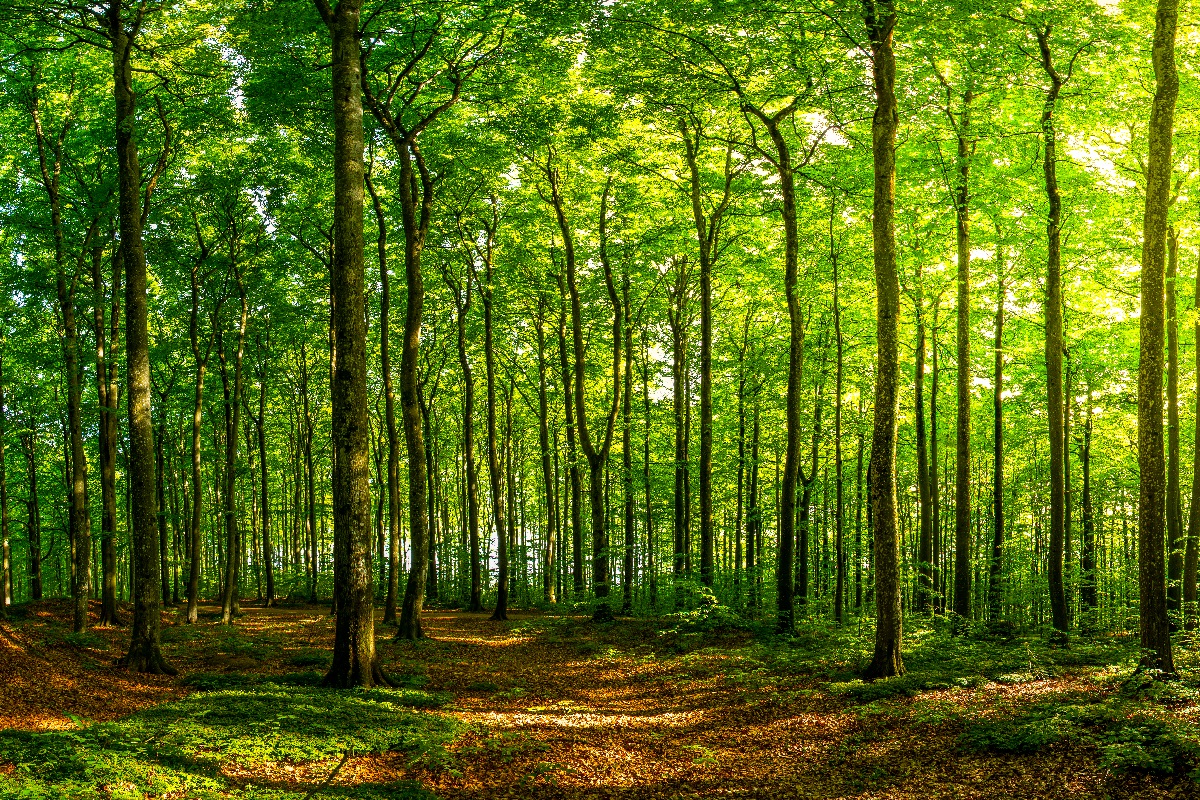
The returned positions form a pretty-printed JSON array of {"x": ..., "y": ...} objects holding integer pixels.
[
  {"x": 576, "y": 499},
  {"x": 495, "y": 475},
  {"x": 389, "y": 412},
  {"x": 1155, "y": 631},
  {"x": 1193, "y": 532},
  {"x": 1054, "y": 337},
  {"x": 1174, "y": 510},
  {"x": 260, "y": 424},
  {"x": 962, "y": 458},
  {"x": 839, "y": 595},
  {"x": 107, "y": 393},
  {"x": 887, "y": 660},
  {"x": 627, "y": 564},
  {"x": 33, "y": 525},
  {"x": 651, "y": 539},
  {"x": 416, "y": 203},
  {"x": 6, "y": 577},
  {"x": 925, "y": 536},
  {"x": 1087, "y": 583},
  {"x": 548, "y": 561},
  {"x": 597, "y": 456},
  {"x": 996, "y": 566},
  {"x": 233, "y": 547}
]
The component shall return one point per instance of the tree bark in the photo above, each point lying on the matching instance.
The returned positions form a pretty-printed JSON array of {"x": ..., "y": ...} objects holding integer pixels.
[
  {"x": 355, "y": 662},
  {"x": 886, "y": 660},
  {"x": 1193, "y": 531},
  {"x": 1174, "y": 509},
  {"x": 495, "y": 475},
  {"x": 144, "y": 653},
  {"x": 233, "y": 545},
  {"x": 6, "y": 578},
  {"x": 389, "y": 412},
  {"x": 1154, "y": 625},
  {"x": 107, "y": 393},
  {"x": 1054, "y": 336},
  {"x": 996, "y": 566}
]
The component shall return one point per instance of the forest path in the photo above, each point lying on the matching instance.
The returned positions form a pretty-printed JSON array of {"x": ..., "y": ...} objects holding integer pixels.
[
  {"x": 558, "y": 707},
  {"x": 561, "y": 708}
]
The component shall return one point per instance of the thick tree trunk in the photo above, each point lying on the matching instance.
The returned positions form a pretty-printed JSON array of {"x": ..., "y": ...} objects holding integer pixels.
[
  {"x": 354, "y": 659},
  {"x": 1154, "y": 625},
  {"x": 886, "y": 660},
  {"x": 144, "y": 648}
]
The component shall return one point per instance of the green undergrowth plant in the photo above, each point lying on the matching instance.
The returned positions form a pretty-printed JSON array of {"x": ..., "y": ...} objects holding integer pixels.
[{"x": 185, "y": 748}]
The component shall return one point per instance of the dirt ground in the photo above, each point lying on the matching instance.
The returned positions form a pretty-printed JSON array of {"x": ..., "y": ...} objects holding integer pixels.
[{"x": 562, "y": 709}]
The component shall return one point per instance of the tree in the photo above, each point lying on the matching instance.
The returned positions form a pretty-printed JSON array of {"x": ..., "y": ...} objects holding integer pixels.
[
  {"x": 886, "y": 660},
  {"x": 355, "y": 662},
  {"x": 1153, "y": 623}
]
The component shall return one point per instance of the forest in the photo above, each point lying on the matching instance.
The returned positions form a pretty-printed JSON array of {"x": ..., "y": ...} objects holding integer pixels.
[{"x": 638, "y": 398}]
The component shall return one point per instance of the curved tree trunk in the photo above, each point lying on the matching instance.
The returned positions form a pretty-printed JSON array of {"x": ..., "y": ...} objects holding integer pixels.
[{"x": 1054, "y": 337}]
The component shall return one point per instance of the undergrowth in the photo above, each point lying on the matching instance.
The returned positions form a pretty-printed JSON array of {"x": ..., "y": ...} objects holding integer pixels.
[{"x": 186, "y": 748}]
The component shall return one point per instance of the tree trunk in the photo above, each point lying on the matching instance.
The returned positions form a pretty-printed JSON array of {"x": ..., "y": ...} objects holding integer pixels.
[
  {"x": 6, "y": 578},
  {"x": 354, "y": 659},
  {"x": 839, "y": 594},
  {"x": 924, "y": 596},
  {"x": 233, "y": 546},
  {"x": 1193, "y": 532},
  {"x": 962, "y": 458},
  {"x": 1054, "y": 337},
  {"x": 548, "y": 561},
  {"x": 886, "y": 660},
  {"x": 144, "y": 648},
  {"x": 33, "y": 525},
  {"x": 389, "y": 412},
  {"x": 627, "y": 564},
  {"x": 1174, "y": 509},
  {"x": 260, "y": 424},
  {"x": 1087, "y": 583},
  {"x": 107, "y": 393},
  {"x": 996, "y": 566},
  {"x": 1154, "y": 625},
  {"x": 495, "y": 475}
]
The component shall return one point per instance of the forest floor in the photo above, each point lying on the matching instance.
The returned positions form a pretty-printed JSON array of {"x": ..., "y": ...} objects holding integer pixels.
[{"x": 546, "y": 706}]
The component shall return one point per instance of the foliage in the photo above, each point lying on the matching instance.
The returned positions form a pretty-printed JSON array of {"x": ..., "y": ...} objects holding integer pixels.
[{"x": 188, "y": 745}]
